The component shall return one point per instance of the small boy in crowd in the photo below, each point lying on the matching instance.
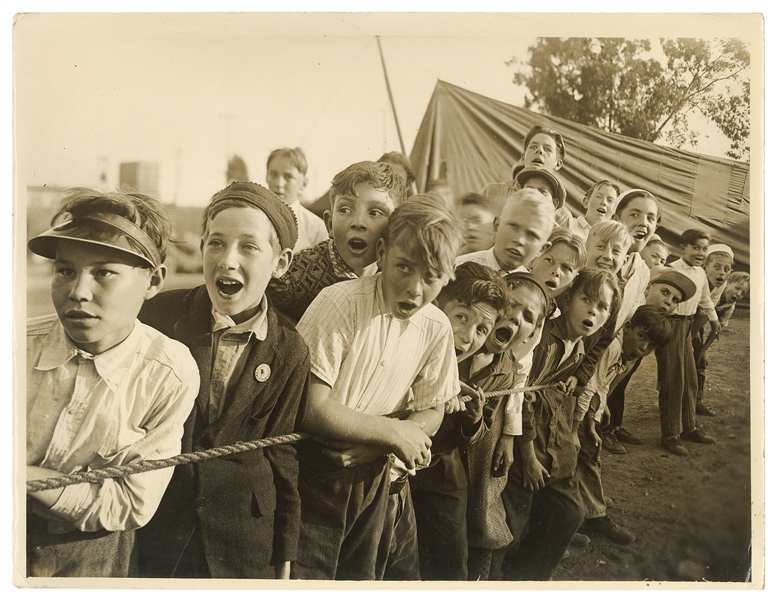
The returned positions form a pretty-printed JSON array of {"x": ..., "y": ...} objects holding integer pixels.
[
  {"x": 235, "y": 516},
  {"x": 677, "y": 383},
  {"x": 286, "y": 170},
  {"x": 402, "y": 167},
  {"x": 477, "y": 218},
  {"x": 378, "y": 347},
  {"x": 362, "y": 196},
  {"x": 599, "y": 203},
  {"x": 488, "y": 459},
  {"x": 558, "y": 266},
  {"x": 737, "y": 288},
  {"x": 655, "y": 253},
  {"x": 717, "y": 267},
  {"x": 473, "y": 302},
  {"x": 647, "y": 329},
  {"x": 542, "y": 499},
  {"x": 103, "y": 390},
  {"x": 544, "y": 148},
  {"x": 521, "y": 233},
  {"x": 666, "y": 290}
]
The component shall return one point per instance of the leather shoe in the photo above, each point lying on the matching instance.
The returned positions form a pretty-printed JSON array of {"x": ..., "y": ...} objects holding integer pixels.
[
  {"x": 674, "y": 446},
  {"x": 626, "y": 437},
  {"x": 698, "y": 436},
  {"x": 704, "y": 410},
  {"x": 579, "y": 540},
  {"x": 611, "y": 443},
  {"x": 608, "y": 528}
]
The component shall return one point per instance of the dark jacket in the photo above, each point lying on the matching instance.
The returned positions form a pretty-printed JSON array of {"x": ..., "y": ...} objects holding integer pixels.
[{"x": 246, "y": 506}]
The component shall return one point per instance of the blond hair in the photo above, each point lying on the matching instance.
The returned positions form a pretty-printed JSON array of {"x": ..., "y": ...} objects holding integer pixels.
[{"x": 612, "y": 231}]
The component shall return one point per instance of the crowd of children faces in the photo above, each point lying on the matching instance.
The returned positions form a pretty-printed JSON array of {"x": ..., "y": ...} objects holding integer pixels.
[{"x": 399, "y": 333}]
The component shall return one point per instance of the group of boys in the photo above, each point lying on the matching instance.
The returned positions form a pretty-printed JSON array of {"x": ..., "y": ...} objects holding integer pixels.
[{"x": 398, "y": 353}]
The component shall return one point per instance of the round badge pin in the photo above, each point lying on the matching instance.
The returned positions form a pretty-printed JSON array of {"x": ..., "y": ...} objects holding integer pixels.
[{"x": 262, "y": 373}]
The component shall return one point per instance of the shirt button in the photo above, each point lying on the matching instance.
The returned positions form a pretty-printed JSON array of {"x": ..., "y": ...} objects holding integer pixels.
[{"x": 200, "y": 502}]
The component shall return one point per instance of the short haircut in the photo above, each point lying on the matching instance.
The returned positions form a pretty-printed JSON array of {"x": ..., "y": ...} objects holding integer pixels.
[
  {"x": 379, "y": 175},
  {"x": 719, "y": 256},
  {"x": 657, "y": 242},
  {"x": 533, "y": 201},
  {"x": 592, "y": 190},
  {"x": 691, "y": 236},
  {"x": 656, "y": 323},
  {"x": 397, "y": 158},
  {"x": 215, "y": 208},
  {"x": 612, "y": 231},
  {"x": 630, "y": 196},
  {"x": 739, "y": 277},
  {"x": 517, "y": 283},
  {"x": 562, "y": 235},
  {"x": 295, "y": 155},
  {"x": 142, "y": 210},
  {"x": 537, "y": 129},
  {"x": 475, "y": 284},
  {"x": 591, "y": 281},
  {"x": 429, "y": 229}
]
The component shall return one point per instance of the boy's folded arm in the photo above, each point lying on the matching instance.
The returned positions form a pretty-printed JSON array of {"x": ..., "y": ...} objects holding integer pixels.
[{"x": 330, "y": 419}]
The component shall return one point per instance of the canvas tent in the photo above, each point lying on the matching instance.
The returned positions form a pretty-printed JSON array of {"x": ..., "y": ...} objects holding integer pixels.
[{"x": 472, "y": 140}]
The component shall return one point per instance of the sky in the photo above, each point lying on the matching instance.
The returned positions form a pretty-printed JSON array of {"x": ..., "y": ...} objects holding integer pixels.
[{"x": 187, "y": 91}]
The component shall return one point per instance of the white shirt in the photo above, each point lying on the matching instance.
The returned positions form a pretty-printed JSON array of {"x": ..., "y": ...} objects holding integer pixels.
[
  {"x": 637, "y": 275},
  {"x": 311, "y": 229},
  {"x": 701, "y": 299},
  {"x": 580, "y": 227},
  {"x": 610, "y": 365},
  {"x": 487, "y": 258},
  {"x": 87, "y": 412},
  {"x": 371, "y": 359}
]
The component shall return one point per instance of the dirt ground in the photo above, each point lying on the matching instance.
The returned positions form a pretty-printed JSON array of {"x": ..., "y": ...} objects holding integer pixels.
[{"x": 691, "y": 514}]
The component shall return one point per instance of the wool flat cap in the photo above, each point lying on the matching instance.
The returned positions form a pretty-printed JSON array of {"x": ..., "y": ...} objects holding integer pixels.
[{"x": 669, "y": 276}]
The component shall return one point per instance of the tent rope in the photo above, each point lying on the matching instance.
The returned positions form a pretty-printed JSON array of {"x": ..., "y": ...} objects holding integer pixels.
[{"x": 143, "y": 466}]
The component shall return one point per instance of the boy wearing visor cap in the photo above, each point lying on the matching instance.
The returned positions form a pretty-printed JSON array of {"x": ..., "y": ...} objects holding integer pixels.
[
  {"x": 236, "y": 516},
  {"x": 103, "y": 390}
]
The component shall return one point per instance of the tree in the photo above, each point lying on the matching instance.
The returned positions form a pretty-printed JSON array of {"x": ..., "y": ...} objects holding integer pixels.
[{"x": 626, "y": 87}]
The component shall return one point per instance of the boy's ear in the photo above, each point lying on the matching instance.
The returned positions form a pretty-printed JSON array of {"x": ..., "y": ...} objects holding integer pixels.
[
  {"x": 328, "y": 221},
  {"x": 559, "y": 162},
  {"x": 496, "y": 223},
  {"x": 626, "y": 328},
  {"x": 156, "y": 282},
  {"x": 282, "y": 264},
  {"x": 380, "y": 252},
  {"x": 586, "y": 200}
]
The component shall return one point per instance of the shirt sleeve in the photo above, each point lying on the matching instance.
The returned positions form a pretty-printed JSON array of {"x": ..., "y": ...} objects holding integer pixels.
[
  {"x": 328, "y": 327},
  {"x": 600, "y": 380},
  {"x": 126, "y": 503},
  {"x": 438, "y": 379},
  {"x": 706, "y": 306},
  {"x": 513, "y": 424}
]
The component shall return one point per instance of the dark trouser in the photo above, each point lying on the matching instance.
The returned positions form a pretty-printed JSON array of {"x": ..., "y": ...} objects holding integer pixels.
[
  {"x": 701, "y": 363},
  {"x": 343, "y": 516},
  {"x": 589, "y": 477},
  {"x": 543, "y": 521},
  {"x": 616, "y": 400},
  {"x": 398, "y": 553},
  {"x": 677, "y": 384},
  {"x": 442, "y": 534},
  {"x": 79, "y": 553}
]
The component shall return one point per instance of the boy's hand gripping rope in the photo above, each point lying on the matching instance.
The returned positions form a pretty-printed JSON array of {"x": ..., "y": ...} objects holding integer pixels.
[{"x": 143, "y": 466}]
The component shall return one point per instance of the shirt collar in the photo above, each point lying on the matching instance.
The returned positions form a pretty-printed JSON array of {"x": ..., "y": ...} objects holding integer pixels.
[
  {"x": 111, "y": 365},
  {"x": 256, "y": 324}
]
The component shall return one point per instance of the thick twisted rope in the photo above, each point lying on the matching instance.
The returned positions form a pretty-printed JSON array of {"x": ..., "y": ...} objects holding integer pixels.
[{"x": 143, "y": 466}]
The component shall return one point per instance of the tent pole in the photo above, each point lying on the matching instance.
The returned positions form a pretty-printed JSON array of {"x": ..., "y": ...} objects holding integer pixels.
[{"x": 391, "y": 100}]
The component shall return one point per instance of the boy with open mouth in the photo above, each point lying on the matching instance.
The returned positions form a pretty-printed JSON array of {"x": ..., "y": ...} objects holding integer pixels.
[
  {"x": 236, "y": 516},
  {"x": 599, "y": 203},
  {"x": 362, "y": 198}
]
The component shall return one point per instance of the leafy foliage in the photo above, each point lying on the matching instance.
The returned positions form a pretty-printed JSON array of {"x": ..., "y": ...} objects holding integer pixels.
[{"x": 627, "y": 87}]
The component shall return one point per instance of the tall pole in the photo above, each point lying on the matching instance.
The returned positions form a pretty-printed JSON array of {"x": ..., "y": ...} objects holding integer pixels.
[{"x": 391, "y": 97}]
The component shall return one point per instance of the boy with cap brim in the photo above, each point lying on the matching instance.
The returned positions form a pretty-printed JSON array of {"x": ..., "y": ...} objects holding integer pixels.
[
  {"x": 103, "y": 390},
  {"x": 545, "y": 182},
  {"x": 236, "y": 516},
  {"x": 717, "y": 266}
]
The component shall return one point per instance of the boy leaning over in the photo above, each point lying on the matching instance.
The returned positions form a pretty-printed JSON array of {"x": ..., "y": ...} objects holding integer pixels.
[
  {"x": 378, "y": 346},
  {"x": 103, "y": 390}
]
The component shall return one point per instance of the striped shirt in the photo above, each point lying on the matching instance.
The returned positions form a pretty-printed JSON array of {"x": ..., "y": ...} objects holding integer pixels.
[
  {"x": 375, "y": 363},
  {"x": 701, "y": 299}
]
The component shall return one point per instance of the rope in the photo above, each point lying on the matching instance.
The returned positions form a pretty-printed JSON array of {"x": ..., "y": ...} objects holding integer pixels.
[{"x": 143, "y": 466}]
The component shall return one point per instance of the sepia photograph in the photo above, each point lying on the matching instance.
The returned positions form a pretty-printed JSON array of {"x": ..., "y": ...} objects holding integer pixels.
[{"x": 410, "y": 300}]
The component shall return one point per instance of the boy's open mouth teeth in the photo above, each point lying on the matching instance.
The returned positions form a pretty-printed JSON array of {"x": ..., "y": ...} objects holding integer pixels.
[
  {"x": 406, "y": 306},
  {"x": 503, "y": 335},
  {"x": 228, "y": 286},
  {"x": 601, "y": 211},
  {"x": 357, "y": 244},
  {"x": 588, "y": 323}
]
